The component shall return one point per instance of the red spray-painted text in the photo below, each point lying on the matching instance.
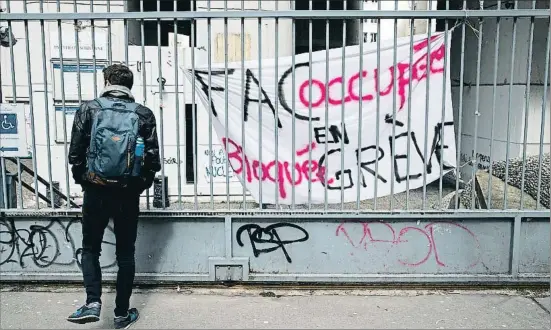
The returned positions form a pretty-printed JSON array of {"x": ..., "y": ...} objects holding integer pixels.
[
  {"x": 409, "y": 239},
  {"x": 305, "y": 170},
  {"x": 351, "y": 83}
]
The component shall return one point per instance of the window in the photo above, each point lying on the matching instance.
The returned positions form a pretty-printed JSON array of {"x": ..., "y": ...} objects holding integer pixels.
[
  {"x": 370, "y": 37},
  {"x": 191, "y": 126},
  {"x": 151, "y": 37},
  {"x": 373, "y": 37},
  {"x": 370, "y": 20},
  {"x": 234, "y": 47}
]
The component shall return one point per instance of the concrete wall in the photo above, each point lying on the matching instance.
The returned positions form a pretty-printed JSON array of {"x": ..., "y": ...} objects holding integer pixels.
[
  {"x": 521, "y": 101},
  {"x": 267, "y": 37},
  {"x": 409, "y": 249}
]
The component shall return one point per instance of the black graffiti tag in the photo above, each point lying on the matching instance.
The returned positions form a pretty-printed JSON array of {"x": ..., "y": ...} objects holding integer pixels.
[
  {"x": 40, "y": 244},
  {"x": 269, "y": 235}
]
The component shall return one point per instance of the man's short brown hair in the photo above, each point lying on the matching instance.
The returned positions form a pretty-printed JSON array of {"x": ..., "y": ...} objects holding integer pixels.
[{"x": 118, "y": 74}]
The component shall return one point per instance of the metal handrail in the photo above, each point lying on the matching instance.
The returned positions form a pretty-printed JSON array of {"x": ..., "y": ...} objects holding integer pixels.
[{"x": 43, "y": 181}]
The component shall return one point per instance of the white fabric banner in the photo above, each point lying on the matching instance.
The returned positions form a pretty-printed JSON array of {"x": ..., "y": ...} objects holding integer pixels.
[{"x": 304, "y": 119}]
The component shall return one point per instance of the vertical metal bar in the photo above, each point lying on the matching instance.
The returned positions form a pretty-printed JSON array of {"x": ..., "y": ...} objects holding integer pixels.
[
  {"x": 177, "y": 99},
  {"x": 93, "y": 27},
  {"x": 527, "y": 107},
  {"x": 343, "y": 108},
  {"x": 494, "y": 99},
  {"x": 109, "y": 41},
  {"x": 209, "y": 55},
  {"x": 393, "y": 139},
  {"x": 515, "y": 246},
  {"x": 3, "y": 168},
  {"x": 125, "y": 23},
  {"x": 31, "y": 109},
  {"x": 276, "y": 100},
  {"x": 408, "y": 162},
  {"x": 293, "y": 120},
  {"x": 144, "y": 75},
  {"x": 443, "y": 119},
  {"x": 228, "y": 234},
  {"x": 543, "y": 119},
  {"x": 326, "y": 151},
  {"x": 226, "y": 106},
  {"x": 194, "y": 115},
  {"x": 360, "y": 110},
  {"x": 77, "y": 50},
  {"x": 161, "y": 106},
  {"x": 260, "y": 174},
  {"x": 243, "y": 172},
  {"x": 378, "y": 103},
  {"x": 20, "y": 185},
  {"x": 4, "y": 182},
  {"x": 2, "y": 160},
  {"x": 62, "y": 81},
  {"x": 310, "y": 4},
  {"x": 477, "y": 110},
  {"x": 460, "y": 110},
  {"x": 427, "y": 109},
  {"x": 14, "y": 100},
  {"x": 510, "y": 106},
  {"x": 46, "y": 107}
]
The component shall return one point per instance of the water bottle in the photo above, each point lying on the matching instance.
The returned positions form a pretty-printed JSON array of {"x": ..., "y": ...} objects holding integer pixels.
[{"x": 138, "y": 156}]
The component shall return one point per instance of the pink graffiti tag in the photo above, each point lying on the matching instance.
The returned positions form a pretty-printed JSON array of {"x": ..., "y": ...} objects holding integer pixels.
[{"x": 398, "y": 239}]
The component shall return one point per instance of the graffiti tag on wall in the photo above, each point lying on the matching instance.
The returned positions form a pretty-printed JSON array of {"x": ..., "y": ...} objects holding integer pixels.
[
  {"x": 214, "y": 162},
  {"x": 42, "y": 245},
  {"x": 268, "y": 239},
  {"x": 414, "y": 245}
]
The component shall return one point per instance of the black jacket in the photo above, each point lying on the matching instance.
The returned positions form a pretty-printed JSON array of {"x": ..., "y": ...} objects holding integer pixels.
[{"x": 80, "y": 138}]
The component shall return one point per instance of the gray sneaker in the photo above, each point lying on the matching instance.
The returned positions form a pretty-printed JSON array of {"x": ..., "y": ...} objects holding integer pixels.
[
  {"x": 86, "y": 314},
  {"x": 124, "y": 322}
]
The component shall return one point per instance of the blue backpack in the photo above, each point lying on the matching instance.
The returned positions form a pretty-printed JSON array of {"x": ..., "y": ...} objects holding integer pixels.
[{"x": 113, "y": 142}]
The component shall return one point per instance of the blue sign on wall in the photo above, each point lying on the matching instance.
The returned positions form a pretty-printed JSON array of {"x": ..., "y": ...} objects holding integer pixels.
[
  {"x": 83, "y": 67},
  {"x": 8, "y": 123},
  {"x": 68, "y": 109}
]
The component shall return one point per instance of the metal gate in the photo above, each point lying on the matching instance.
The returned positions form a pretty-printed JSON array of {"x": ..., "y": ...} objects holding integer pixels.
[{"x": 350, "y": 141}]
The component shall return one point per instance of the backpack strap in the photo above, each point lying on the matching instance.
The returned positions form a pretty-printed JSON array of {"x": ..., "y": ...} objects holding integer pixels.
[{"x": 112, "y": 103}]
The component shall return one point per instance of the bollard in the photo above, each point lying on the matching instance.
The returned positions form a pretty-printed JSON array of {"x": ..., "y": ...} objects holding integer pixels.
[
  {"x": 158, "y": 192},
  {"x": 57, "y": 197},
  {"x": 12, "y": 192}
]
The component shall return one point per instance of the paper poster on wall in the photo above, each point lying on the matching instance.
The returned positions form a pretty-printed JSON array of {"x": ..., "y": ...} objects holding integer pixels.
[
  {"x": 351, "y": 141},
  {"x": 70, "y": 110},
  {"x": 71, "y": 80}
]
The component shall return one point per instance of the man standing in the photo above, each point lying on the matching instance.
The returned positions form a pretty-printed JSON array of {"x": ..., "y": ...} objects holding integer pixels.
[{"x": 114, "y": 155}]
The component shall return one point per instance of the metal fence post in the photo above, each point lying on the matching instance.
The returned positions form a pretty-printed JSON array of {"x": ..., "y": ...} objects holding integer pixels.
[{"x": 11, "y": 191}]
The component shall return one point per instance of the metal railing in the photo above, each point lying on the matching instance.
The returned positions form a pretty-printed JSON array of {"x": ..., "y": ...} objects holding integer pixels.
[{"x": 228, "y": 80}]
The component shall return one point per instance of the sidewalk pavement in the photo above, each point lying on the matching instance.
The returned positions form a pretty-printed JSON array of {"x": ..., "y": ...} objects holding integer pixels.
[{"x": 231, "y": 308}]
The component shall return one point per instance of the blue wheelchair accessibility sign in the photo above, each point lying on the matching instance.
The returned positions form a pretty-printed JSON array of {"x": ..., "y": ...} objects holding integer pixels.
[
  {"x": 8, "y": 123},
  {"x": 13, "y": 133}
]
